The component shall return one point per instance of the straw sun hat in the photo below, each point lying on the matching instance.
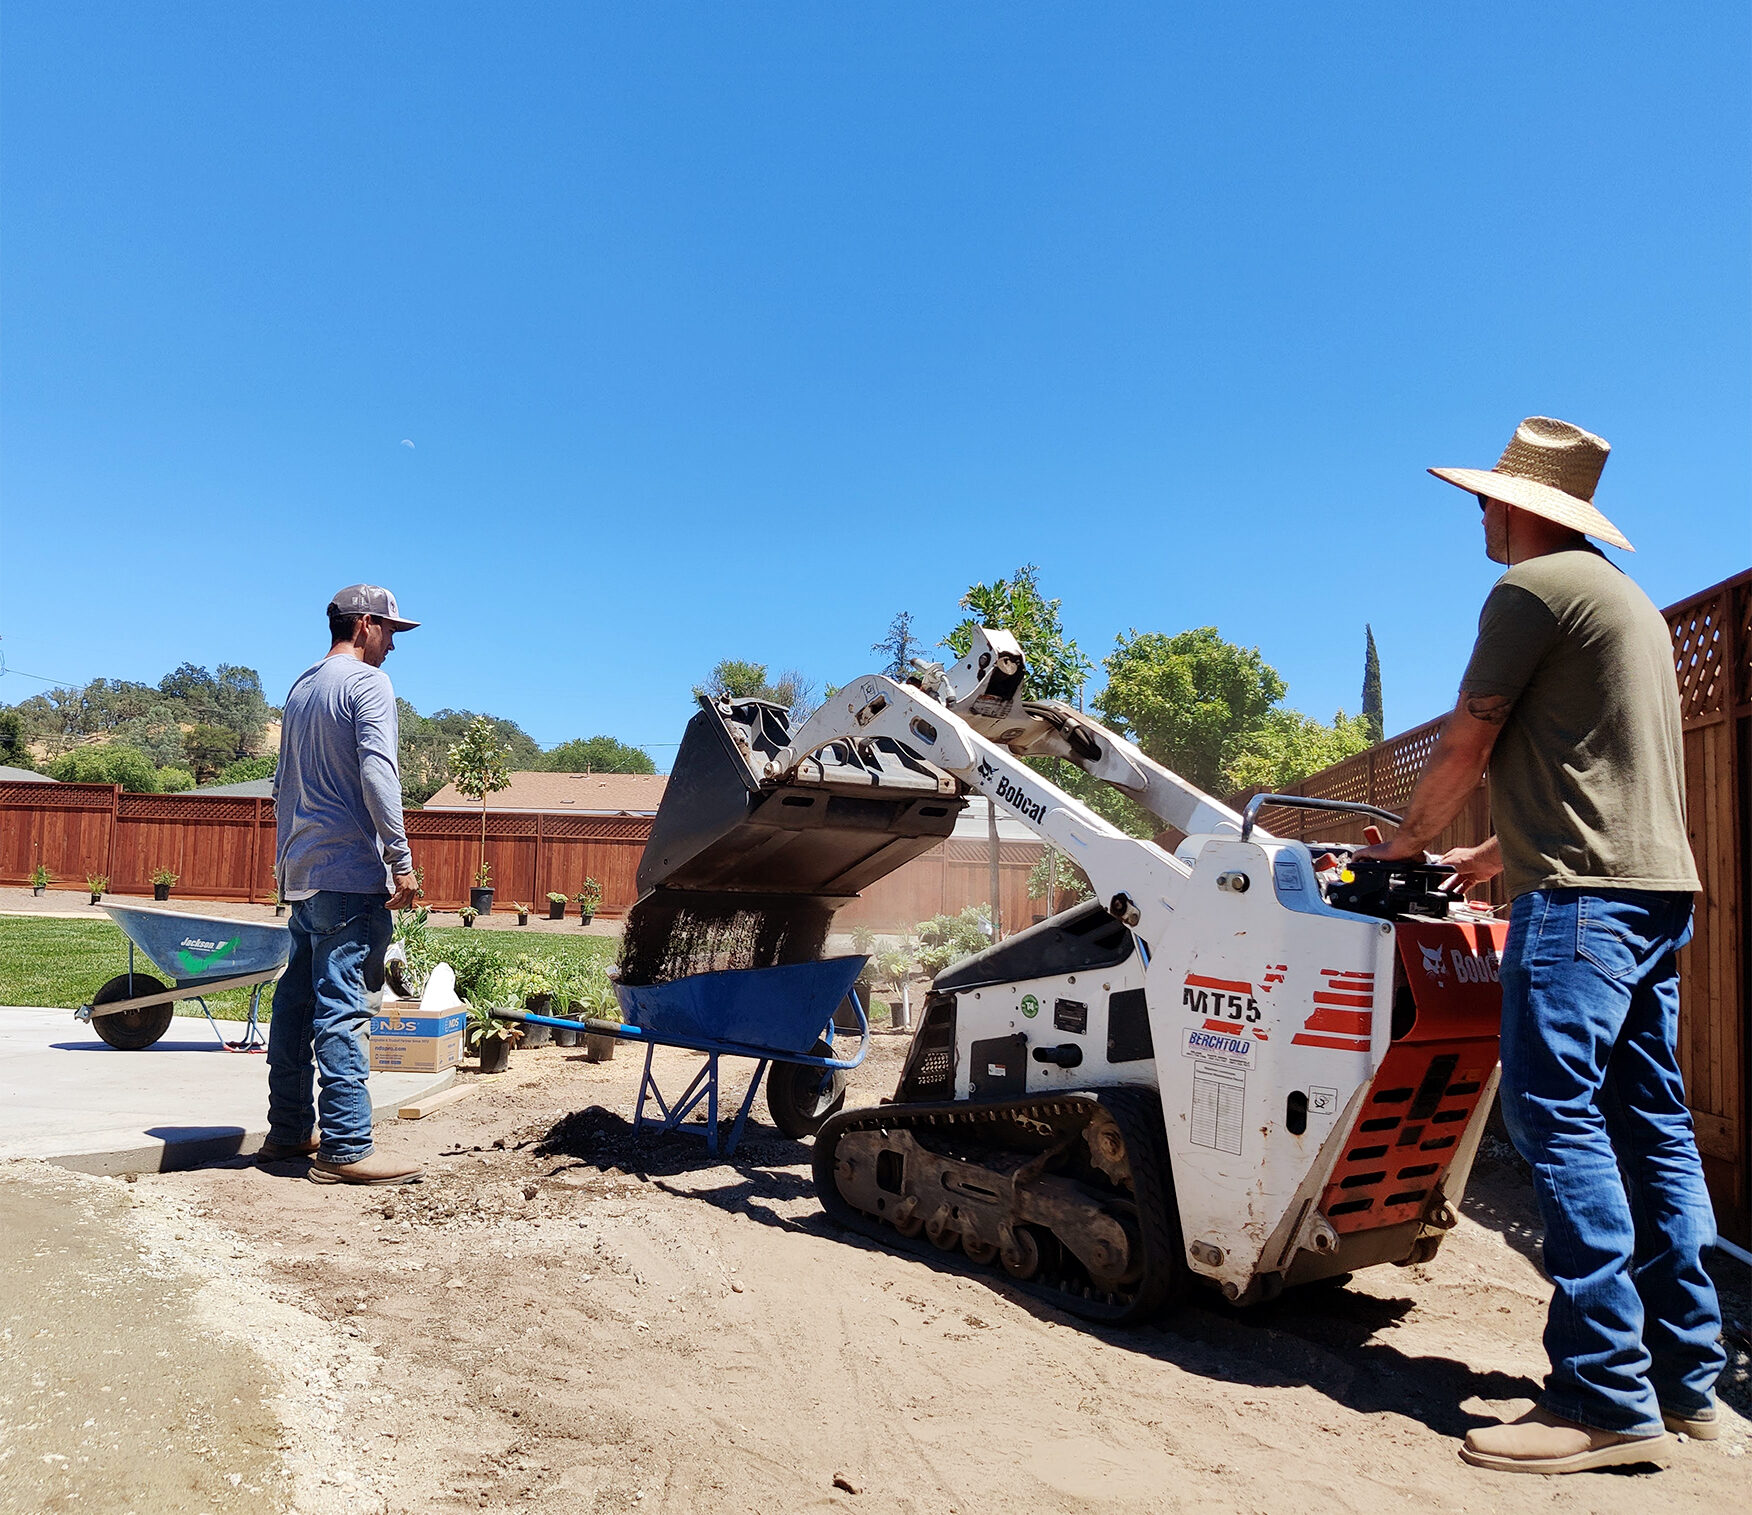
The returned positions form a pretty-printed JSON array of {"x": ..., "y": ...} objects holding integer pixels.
[{"x": 1550, "y": 468}]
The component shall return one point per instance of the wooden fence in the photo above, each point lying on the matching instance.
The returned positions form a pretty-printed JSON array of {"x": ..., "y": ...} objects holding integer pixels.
[
  {"x": 945, "y": 881},
  {"x": 1712, "y": 657},
  {"x": 222, "y": 848}
]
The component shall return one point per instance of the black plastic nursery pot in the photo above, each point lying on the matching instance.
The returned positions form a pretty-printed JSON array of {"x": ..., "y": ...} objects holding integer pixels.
[
  {"x": 556, "y": 910},
  {"x": 161, "y": 891},
  {"x": 585, "y": 918},
  {"x": 564, "y": 1037},
  {"x": 534, "y": 1035},
  {"x": 481, "y": 900},
  {"x": 95, "y": 898},
  {"x": 522, "y": 917},
  {"x": 495, "y": 1053}
]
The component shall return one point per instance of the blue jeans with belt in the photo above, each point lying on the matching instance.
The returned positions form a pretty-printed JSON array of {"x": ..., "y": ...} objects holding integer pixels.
[
  {"x": 1593, "y": 1100},
  {"x": 321, "y": 1012}
]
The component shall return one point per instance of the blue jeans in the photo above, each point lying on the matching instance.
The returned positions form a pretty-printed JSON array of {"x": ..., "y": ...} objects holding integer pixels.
[
  {"x": 338, "y": 941},
  {"x": 1593, "y": 1100}
]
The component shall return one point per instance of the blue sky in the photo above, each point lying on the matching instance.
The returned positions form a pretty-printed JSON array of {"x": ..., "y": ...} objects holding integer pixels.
[{"x": 731, "y": 330}]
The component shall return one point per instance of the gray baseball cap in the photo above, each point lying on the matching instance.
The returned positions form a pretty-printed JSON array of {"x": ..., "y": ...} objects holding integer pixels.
[{"x": 371, "y": 599}]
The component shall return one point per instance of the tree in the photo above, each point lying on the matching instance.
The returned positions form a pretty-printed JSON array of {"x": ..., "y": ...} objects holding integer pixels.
[
  {"x": 1287, "y": 745},
  {"x": 1372, "y": 711},
  {"x": 246, "y": 769},
  {"x": 108, "y": 763},
  {"x": 175, "y": 780},
  {"x": 1186, "y": 699},
  {"x": 209, "y": 748},
  {"x": 13, "y": 752},
  {"x": 1056, "y": 665},
  {"x": 1210, "y": 711},
  {"x": 899, "y": 647},
  {"x": 421, "y": 755},
  {"x": 597, "y": 754},
  {"x": 522, "y": 751},
  {"x": 732, "y": 679},
  {"x": 1058, "y": 880},
  {"x": 478, "y": 767}
]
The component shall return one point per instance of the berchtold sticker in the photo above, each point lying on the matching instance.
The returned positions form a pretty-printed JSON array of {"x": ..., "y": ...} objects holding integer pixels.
[{"x": 1233, "y": 1048}]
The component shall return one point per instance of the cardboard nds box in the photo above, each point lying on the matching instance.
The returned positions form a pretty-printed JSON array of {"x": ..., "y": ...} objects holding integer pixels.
[{"x": 408, "y": 1039}]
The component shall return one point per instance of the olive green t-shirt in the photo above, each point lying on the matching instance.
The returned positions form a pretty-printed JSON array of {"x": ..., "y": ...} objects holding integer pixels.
[{"x": 1587, "y": 776}]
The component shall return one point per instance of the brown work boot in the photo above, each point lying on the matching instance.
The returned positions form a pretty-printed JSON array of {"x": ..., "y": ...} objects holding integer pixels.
[
  {"x": 375, "y": 1169},
  {"x": 1699, "y": 1425},
  {"x": 1540, "y": 1442},
  {"x": 280, "y": 1152}
]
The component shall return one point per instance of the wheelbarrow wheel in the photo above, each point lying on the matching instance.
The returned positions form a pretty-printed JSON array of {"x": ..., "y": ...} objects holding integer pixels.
[
  {"x": 131, "y": 1030},
  {"x": 800, "y": 1098}
]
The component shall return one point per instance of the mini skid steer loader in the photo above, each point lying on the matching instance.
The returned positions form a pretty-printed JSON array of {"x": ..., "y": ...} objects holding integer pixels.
[{"x": 1246, "y": 1063}]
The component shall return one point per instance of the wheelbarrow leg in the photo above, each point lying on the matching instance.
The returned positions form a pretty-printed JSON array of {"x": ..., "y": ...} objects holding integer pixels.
[
  {"x": 742, "y": 1114},
  {"x": 253, "y": 1040}
]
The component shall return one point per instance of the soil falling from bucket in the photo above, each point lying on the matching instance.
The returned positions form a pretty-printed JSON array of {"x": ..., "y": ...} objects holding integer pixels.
[{"x": 673, "y": 933}]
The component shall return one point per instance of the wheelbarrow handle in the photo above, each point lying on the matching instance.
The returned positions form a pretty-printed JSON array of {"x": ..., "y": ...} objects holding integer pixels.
[{"x": 589, "y": 1023}]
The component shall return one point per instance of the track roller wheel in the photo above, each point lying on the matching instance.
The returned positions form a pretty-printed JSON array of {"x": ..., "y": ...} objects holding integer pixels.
[
  {"x": 1021, "y": 1259},
  {"x": 981, "y": 1252},
  {"x": 131, "y": 1030},
  {"x": 941, "y": 1232}
]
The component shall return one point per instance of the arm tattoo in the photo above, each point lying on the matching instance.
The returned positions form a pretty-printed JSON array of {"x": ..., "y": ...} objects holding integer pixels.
[{"x": 1492, "y": 709}]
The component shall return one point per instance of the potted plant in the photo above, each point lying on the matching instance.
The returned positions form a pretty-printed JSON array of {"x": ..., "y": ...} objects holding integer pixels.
[
  {"x": 97, "y": 883},
  {"x": 491, "y": 1038},
  {"x": 479, "y": 767},
  {"x": 556, "y": 905},
  {"x": 40, "y": 878},
  {"x": 162, "y": 879},
  {"x": 595, "y": 999},
  {"x": 523, "y": 915},
  {"x": 589, "y": 900},
  {"x": 481, "y": 895},
  {"x": 468, "y": 914},
  {"x": 530, "y": 982},
  {"x": 279, "y": 904}
]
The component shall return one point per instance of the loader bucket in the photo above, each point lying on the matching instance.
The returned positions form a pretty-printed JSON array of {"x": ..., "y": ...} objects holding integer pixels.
[{"x": 743, "y": 871}]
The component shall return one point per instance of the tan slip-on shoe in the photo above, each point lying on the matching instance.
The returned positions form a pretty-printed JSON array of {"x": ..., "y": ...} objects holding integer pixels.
[
  {"x": 375, "y": 1169},
  {"x": 1540, "y": 1442},
  {"x": 280, "y": 1152},
  {"x": 1699, "y": 1425}
]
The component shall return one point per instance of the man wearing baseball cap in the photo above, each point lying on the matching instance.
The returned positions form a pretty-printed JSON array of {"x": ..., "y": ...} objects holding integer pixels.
[
  {"x": 1570, "y": 698},
  {"x": 342, "y": 862}
]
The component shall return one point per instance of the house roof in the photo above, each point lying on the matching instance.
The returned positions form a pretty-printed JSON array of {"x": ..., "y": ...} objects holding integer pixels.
[
  {"x": 11, "y": 775},
  {"x": 567, "y": 794},
  {"x": 260, "y": 789}
]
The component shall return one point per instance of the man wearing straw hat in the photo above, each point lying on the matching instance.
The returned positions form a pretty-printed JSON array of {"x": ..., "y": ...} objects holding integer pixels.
[{"x": 1571, "y": 700}]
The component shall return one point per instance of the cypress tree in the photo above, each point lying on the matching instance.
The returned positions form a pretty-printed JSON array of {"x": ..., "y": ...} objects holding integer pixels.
[{"x": 1372, "y": 688}]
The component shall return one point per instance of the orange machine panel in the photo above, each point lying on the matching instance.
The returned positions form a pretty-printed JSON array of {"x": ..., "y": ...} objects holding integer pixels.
[{"x": 1447, "y": 1006}]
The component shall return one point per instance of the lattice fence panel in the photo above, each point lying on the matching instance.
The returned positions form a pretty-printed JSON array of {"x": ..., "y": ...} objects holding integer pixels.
[
  {"x": 610, "y": 828},
  {"x": 1697, "y": 658},
  {"x": 178, "y": 807},
  {"x": 1743, "y": 620},
  {"x": 434, "y": 824},
  {"x": 1399, "y": 762},
  {"x": 58, "y": 796}
]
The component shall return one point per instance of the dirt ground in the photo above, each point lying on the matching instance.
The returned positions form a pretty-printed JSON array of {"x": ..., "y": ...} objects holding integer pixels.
[{"x": 563, "y": 1317}]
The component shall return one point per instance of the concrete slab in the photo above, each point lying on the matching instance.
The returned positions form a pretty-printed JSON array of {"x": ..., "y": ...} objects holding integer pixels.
[{"x": 69, "y": 1098}]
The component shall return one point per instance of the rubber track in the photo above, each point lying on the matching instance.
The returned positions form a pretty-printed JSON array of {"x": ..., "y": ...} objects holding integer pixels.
[{"x": 1138, "y": 1114}]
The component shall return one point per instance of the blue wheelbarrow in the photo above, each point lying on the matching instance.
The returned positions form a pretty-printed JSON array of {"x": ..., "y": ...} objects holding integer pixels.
[
  {"x": 781, "y": 1018},
  {"x": 207, "y": 954}
]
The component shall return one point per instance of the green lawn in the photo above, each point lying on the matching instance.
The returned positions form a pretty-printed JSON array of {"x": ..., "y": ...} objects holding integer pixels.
[{"x": 61, "y": 963}]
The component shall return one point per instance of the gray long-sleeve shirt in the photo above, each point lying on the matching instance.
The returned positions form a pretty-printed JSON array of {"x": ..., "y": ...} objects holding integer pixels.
[{"x": 337, "y": 794}]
